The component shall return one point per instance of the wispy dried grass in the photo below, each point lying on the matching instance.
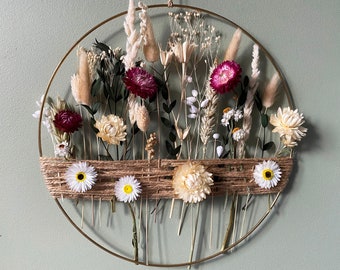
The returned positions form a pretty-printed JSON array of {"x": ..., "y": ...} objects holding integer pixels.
[
  {"x": 234, "y": 45},
  {"x": 270, "y": 91}
]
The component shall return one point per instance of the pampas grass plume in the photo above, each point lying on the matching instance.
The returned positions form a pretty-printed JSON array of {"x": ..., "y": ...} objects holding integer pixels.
[
  {"x": 234, "y": 44},
  {"x": 81, "y": 82},
  {"x": 150, "y": 47},
  {"x": 270, "y": 91}
]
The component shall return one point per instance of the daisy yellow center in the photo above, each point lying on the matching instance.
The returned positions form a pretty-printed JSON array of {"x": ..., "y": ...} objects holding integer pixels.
[
  {"x": 128, "y": 189},
  {"x": 267, "y": 174},
  {"x": 235, "y": 129},
  {"x": 226, "y": 110},
  {"x": 81, "y": 177}
]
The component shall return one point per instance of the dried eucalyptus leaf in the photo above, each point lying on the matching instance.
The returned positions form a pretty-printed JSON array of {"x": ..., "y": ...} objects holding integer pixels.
[
  {"x": 172, "y": 137},
  {"x": 264, "y": 120},
  {"x": 166, "y": 122},
  {"x": 268, "y": 146}
]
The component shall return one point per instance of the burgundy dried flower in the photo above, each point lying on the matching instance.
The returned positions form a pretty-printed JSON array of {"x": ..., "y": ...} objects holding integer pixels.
[
  {"x": 67, "y": 121},
  {"x": 139, "y": 82},
  {"x": 225, "y": 77}
]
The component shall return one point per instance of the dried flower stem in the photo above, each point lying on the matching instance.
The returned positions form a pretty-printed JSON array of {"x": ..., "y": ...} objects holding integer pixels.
[
  {"x": 193, "y": 240},
  {"x": 244, "y": 214},
  {"x": 146, "y": 231},
  {"x": 230, "y": 225},
  {"x": 134, "y": 233},
  {"x": 211, "y": 221},
  {"x": 181, "y": 219}
]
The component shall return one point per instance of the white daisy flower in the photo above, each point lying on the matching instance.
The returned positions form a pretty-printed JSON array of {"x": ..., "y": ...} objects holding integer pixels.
[
  {"x": 267, "y": 174},
  {"x": 80, "y": 177},
  {"x": 127, "y": 189}
]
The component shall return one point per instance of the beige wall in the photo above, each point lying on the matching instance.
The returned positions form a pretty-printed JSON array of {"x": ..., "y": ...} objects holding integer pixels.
[{"x": 304, "y": 38}]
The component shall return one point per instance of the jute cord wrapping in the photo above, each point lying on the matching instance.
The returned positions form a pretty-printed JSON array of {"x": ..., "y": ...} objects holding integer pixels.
[{"x": 230, "y": 176}]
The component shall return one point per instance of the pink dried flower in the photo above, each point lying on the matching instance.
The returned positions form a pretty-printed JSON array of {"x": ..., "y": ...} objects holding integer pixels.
[
  {"x": 225, "y": 77},
  {"x": 67, "y": 121},
  {"x": 139, "y": 82}
]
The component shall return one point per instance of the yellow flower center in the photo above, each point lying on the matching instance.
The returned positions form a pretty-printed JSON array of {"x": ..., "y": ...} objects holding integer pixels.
[
  {"x": 267, "y": 174},
  {"x": 235, "y": 129},
  {"x": 226, "y": 110},
  {"x": 128, "y": 189},
  {"x": 81, "y": 177}
]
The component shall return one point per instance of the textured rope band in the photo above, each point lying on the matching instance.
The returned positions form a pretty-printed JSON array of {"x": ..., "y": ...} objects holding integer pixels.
[{"x": 230, "y": 176}]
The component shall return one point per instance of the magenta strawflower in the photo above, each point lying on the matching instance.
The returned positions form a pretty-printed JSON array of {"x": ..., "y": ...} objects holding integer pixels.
[
  {"x": 225, "y": 77},
  {"x": 67, "y": 121},
  {"x": 139, "y": 82}
]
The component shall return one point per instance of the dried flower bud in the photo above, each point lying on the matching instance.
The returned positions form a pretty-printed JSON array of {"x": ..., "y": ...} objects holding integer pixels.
[
  {"x": 142, "y": 118},
  {"x": 150, "y": 145},
  {"x": 165, "y": 57}
]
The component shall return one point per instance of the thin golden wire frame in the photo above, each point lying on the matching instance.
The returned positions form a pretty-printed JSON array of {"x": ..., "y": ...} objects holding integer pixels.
[{"x": 289, "y": 100}]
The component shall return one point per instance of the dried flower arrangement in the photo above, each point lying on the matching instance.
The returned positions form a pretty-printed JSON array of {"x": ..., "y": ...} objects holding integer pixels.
[{"x": 170, "y": 122}]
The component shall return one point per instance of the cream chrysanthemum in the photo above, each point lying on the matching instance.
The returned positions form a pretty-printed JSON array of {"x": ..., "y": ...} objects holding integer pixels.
[
  {"x": 288, "y": 123},
  {"x": 111, "y": 129},
  {"x": 80, "y": 177},
  {"x": 127, "y": 189},
  {"x": 267, "y": 174},
  {"x": 191, "y": 182}
]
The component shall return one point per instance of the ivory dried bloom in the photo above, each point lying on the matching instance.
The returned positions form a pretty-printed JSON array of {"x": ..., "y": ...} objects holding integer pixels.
[
  {"x": 191, "y": 182},
  {"x": 288, "y": 123},
  {"x": 111, "y": 129}
]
